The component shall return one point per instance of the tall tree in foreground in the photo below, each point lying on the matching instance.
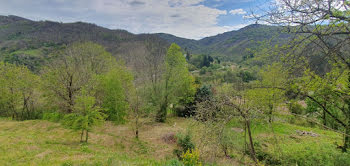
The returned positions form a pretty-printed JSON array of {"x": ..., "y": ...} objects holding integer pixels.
[
  {"x": 177, "y": 81},
  {"x": 75, "y": 67},
  {"x": 113, "y": 90}
]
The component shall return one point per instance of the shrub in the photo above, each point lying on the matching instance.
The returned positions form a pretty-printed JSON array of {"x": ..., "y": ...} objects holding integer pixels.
[
  {"x": 52, "y": 116},
  {"x": 296, "y": 108},
  {"x": 191, "y": 158},
  {"x": 203, "y": 93},
  {"x": 185, "y": 143},
  {"x": 203, "y": 70}
]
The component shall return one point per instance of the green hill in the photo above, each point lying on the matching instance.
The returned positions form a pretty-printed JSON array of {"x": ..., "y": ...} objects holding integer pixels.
[
  {"x": 31, "y": 43},
  {"x": 27, "y": 42},
  {"x": 231, "y": 45}
]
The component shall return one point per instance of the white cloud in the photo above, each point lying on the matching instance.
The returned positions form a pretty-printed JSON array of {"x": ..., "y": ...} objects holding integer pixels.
[
  {"x": 237, "y": 12},
  {"x": 250, "y": 16},
  {"x": 184, "y": 18}
]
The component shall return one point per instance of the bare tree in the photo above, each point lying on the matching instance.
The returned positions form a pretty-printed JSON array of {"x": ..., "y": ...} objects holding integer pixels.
[
  {"x": 74, "y": 68},
  {"x": 322, "y": 23},
  {"x": 216, "y": 114}
]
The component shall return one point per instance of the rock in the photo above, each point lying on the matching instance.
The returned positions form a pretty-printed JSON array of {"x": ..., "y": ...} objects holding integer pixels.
[{"x": 238, "y": 130}]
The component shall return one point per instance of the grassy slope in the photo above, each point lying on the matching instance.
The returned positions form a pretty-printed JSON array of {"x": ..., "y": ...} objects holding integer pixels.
[
  {"x": 280, "y": 140},
  {"x": 45, "y": 143}
]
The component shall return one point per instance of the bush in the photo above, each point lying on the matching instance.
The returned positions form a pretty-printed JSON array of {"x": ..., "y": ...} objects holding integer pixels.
[
  {"x": 191, "y": 158},
  {"x": 184, "y": 143},
  {"x": 246, "y": 76},
  {"x": 203, "y": 93},
  {"x": 52, "y": 116},
  {"x": 296, "y": 108}
]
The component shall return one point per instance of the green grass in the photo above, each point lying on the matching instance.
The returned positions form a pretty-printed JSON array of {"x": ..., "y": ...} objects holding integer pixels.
[
  {"x": 45, "y": 143},
  {"x": 39, "y": 142},
  {"x": 280, "y": 143}
]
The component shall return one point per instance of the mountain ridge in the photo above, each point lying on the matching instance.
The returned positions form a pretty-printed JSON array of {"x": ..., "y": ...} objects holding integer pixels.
[{"x": 18, "y": 35}]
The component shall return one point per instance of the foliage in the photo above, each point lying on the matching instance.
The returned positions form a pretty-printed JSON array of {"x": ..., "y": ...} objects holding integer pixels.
[
  {"x": 185, "y": 143},
  {"x": 191, "y": 158},
  {"x": 76, "y": 67},
  {"x": 112, "y": 91},
  {"x": 230, "y": 77},
  {"x": 296, "y": 108},
  {"x": 202, "y": 94},
  {"x": 266, "y": 94},
  {"x": 246, "y": 76},
  {"x": 178, "y": 82},
  {"x": 85, "y": 115},
  {"x": 19, "y": 92},
  {"x": 53, "y": 116}
]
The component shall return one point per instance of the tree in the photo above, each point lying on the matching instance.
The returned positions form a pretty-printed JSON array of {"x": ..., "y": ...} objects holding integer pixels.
[
  {"x": 323, "y": 23},
  {"x": 230, "y": 103},
  {"x": 206, "y": 60},
  {"x": 203, "y": 93},
  {"x": 85, "y": 115},
  {"x": 18, "y": 89},
  {"x": 266, "y": 92},
  {"x": 246, "y": 76},
  {"x": 177, "y": 81},
  {"x": 74, "y": 68},
  {"x": 112, "y": 93},
  {"x": 331, "y": 94},
  {"x": 322, "y": 29}
]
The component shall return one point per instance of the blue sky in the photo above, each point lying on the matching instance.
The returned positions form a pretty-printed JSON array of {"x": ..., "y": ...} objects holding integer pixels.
[{"x": 192, "y": 19}]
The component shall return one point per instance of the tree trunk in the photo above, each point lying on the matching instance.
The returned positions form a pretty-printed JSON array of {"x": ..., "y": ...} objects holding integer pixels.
[
  {"x": 137, "y": 128},
  {"x": 81, "y": 135},
  {"x": 70, "y": 95},
  {"x": 137, "y": 133},
  {"x": 161, "y": 115},
  {"x": 324, "y": 119},
  {"x": 87, "y": 136},
  {"x": 270, "y": 113},
  {"x": 252, "y": 150},
  {"x": 347, "y": 128}
]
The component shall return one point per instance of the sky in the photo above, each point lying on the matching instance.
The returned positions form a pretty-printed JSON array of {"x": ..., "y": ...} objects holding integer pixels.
[{"x": 193, "y": 19}]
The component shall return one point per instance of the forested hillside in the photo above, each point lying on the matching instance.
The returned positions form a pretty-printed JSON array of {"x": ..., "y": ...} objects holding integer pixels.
[
  {"x": 23, "y": 41},
  {"x": 32, "y": 43},
  {"x": 232, "y": 45}
]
